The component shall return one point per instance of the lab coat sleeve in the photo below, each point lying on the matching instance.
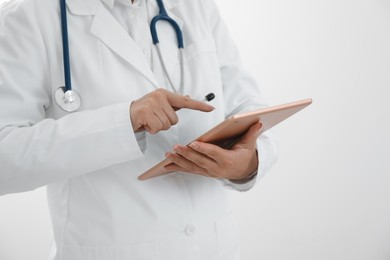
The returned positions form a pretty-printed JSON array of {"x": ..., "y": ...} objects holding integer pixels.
[
  {"x": 35, "y": 150},
  {"x": 241, "y": 92}
]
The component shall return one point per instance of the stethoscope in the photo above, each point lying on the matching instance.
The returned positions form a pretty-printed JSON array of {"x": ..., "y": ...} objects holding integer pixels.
[{"x": 69, "y": 100}]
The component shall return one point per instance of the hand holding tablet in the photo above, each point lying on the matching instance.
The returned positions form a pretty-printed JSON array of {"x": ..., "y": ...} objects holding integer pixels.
[{"x": 231, "y": 129}]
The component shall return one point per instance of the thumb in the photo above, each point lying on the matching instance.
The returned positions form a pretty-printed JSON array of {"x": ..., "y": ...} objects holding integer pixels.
[{"x": 248, "y": 140}]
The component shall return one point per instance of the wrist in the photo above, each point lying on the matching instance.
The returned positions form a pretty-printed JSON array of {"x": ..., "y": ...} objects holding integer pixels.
[
  {"x": 250, "y": 172},
  {"x": 247, "y": 179}
]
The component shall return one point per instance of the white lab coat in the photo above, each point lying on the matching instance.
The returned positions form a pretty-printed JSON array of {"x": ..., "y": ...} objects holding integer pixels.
[{"x": 90, "y": 159}]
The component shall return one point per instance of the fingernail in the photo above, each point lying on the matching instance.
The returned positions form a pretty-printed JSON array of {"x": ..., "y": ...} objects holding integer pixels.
[{"x": 194, "y": 146}]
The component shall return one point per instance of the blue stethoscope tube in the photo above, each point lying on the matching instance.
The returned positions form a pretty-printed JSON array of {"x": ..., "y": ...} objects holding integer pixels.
[
  {"x": 163, "y": 15},
  {"x": 69, "y": 100},
  {"x": 66, "y": 98},
  {"x": 65, "y": 46}
]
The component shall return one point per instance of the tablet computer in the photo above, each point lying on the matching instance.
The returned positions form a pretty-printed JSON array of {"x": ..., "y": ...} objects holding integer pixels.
[{"x": 232, "y": 128}]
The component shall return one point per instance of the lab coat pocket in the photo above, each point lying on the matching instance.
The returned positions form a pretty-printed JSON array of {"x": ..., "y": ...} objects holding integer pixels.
[
  {"x": 228, "y": 241},
  {"x": 204, "y": 46},
  {"x": 201, "y": 65},
  {"x": 202, "y": 68}
]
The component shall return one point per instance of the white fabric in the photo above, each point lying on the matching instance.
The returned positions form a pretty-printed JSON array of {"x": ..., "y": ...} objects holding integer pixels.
[{"x": 90, "y": 159}]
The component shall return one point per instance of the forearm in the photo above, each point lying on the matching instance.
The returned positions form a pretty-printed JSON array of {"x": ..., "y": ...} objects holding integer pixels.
[{"x": 51, "y": 150}]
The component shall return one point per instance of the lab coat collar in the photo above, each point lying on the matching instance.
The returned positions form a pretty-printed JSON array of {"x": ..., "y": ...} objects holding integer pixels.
[
  {"x": 89, "y": 7},
  {"x": 84, "y": 7},
  {"x": 169, "y": 4},
  {"x": 107, "y": 29}
]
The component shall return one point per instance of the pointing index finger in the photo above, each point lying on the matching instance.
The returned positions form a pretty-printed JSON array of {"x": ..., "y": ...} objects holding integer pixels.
[{"x": 178, "y": 102}]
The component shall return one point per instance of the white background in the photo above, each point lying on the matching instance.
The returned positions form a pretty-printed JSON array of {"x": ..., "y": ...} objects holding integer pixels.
[{"x": 328, "y": 197}]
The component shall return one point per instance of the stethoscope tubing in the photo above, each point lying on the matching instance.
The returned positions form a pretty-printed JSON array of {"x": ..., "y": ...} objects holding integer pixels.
[
  {"x": 65, "y": 47},
  {"x": 70, "y": 100},
  {"x": 163, "y": 16}
]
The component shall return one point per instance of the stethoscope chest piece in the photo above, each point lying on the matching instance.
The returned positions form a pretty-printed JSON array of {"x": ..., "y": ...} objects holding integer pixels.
[{"x": 68, "y": 101}]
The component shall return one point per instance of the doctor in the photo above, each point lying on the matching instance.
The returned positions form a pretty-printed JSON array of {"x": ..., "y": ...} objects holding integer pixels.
[{"x": 136, "y": 105}]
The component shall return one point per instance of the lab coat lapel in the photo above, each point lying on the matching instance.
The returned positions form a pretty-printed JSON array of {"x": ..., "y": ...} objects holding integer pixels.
[{"x": 109, "y": 31}]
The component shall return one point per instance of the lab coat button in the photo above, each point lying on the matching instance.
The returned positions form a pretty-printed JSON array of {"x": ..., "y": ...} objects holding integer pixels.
[
  {"x": 190, "y": 230},
  {"x": 133, "y": 12},
  {"x": 146, "y": 51}
]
